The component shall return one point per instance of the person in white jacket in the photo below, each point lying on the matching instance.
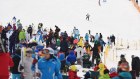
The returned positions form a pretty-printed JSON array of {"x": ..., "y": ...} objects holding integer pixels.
[
  {"x": 80, "y": 52},
  {"x": 27, "y": 37},
  {"x": 25, "y": 65}
]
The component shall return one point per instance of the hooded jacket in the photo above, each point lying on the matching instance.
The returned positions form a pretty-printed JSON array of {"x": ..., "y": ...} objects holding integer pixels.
[
  {"x": 4, "y": 68},
  {"x": 49, "y": 68},
  {"x": 71, "y": 57},
  {"x": 102, "y": 68},
  {"x": 73, "y": 72},
  {"x": 64, "y": 46}
]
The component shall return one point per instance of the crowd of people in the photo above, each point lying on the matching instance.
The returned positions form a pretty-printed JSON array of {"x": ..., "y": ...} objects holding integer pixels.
[{"x": 49, "y": 54}]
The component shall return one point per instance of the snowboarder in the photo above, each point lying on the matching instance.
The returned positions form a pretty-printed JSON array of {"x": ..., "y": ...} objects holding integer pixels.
[{"x": 87, "y": 17}]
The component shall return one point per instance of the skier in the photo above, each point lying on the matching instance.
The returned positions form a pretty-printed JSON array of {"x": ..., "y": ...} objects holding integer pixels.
[
  {"x": 64, "y": 46},
  {"x": 22, "y": 36},
  {"x": 136, "y": 65},
  {"x": 76, "y": 33},
  {"x": 16, "y": 59},
  {"x": 95, "y": 55},
  {"x": 87, "y": 17},
  {"x": 87, "y": 37},
  {"x": 96, "y": 38},
  {"x": 80, "y": 52},
  {"x": 49, "y": 66},
  {"x": 30, "y": 30},
  {"x": 5, "y": 62},
  {"x": 26, "y": 65}
]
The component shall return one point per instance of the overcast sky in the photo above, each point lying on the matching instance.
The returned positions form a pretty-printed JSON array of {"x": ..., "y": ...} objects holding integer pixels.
[{"x": 117, "y": 17}]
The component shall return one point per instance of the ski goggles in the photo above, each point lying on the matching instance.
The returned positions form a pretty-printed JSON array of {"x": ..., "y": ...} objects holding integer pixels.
[
  {"x": 46, "y": 51},
  {"x": 30, "y": 52}
]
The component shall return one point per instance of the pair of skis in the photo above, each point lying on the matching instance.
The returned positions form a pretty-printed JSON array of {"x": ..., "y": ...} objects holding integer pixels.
[{"x": 2, "y": 45}]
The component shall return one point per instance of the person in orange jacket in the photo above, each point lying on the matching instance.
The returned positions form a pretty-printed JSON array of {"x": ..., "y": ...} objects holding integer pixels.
[{"x": 6, "y": 62}]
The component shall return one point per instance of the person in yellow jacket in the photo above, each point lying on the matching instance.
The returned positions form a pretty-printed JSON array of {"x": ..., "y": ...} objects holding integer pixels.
[
  {"x": 106, "y": 75},
  {"x": 22, "y": 35},
  {"x": 101, "y": 69},
  {"x": 81, "y": 42}
]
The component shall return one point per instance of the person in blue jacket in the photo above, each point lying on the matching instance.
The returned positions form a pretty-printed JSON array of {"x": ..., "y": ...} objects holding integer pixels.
[
  {"x": 87, "y": 37},
  {"x": 123, "y": 75},
  {"x": 71, "y": 57},
  {"x": 49, "y": 65}
]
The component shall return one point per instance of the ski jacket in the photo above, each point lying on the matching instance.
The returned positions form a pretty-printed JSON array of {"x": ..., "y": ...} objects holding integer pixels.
[
  {"x": 50, "y": 69},
  {"x": 5, "y": 62}
]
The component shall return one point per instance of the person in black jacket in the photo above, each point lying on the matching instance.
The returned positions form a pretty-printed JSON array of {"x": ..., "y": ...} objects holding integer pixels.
[
  {"x": 12, "y": 41},
  {"x": 136, "y": 65},
  {"x": 14, "y": 70},
  {"x": 30, "y": 30},
  {"x": 64, "y": 46},
  {"x": 95, "y": 55},
  {"x": 4, "y": 38}
]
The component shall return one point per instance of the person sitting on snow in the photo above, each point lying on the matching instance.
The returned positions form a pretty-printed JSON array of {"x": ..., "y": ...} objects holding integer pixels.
[
  {"x": 86, "y": 60},
  {"x": 73, "y": 72},
  {"x": 113, "y": 73},
  {"x": 88, "y": 75},
  {"x": 106, "y": 74},
  {"x": 71, "y": 57},
  {"x": 123, "y": 64}
]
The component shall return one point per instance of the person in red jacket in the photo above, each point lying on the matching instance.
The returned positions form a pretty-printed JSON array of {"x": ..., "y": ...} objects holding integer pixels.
[
  {"x": 73, "y": 72},
  {"x": 5, "y": 64},
  {"x": 113, "y": 73}
]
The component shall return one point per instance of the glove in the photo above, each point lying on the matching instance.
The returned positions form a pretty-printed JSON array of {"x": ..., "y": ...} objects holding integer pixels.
[
  {"x": 38, "y": 74},
  {"x": 21, "y": 67},
  {"x": 35, "y": 61}
]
